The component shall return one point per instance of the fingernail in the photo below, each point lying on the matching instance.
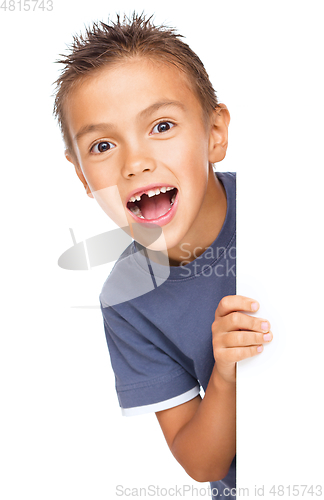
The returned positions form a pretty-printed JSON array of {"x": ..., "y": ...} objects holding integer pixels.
[
  {"x": 260, "y": 348},
  {"x": 265, "y": 326},
  {"x": 254, "y": 306},
  {"x": 267, "y": 336}
]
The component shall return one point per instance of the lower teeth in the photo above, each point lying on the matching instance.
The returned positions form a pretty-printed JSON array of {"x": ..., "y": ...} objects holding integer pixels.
[{"x": 136, "y": 211}]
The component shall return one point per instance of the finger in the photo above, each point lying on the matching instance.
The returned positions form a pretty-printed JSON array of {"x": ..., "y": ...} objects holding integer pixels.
[
  {"x": 234, "y": 354},
  {"x": 243, "y": 339},
  {"x": 241, "y": 321},
  {"x": 231, "y": 303}
]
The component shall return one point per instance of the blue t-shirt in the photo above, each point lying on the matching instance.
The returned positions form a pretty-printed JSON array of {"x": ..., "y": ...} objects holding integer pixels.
[{"x": 160, "y": 342}]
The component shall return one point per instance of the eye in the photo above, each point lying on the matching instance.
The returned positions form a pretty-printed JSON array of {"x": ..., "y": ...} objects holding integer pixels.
[
  {"x": 162, "y": 127},
  {"x": 102, "y": 147}
]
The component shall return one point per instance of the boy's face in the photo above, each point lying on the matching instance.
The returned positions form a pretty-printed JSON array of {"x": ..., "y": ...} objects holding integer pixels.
[{"x": 138, "y": 129}]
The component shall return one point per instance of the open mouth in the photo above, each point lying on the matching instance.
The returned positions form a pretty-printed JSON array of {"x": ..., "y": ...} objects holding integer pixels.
[{"x": 153, "y": 204}]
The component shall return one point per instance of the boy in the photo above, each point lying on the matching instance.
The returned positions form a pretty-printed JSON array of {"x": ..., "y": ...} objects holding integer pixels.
[{"x": 143, "y": 128}]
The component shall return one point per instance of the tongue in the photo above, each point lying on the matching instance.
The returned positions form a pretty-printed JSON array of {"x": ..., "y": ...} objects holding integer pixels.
[{"x": 154, "y": 207}]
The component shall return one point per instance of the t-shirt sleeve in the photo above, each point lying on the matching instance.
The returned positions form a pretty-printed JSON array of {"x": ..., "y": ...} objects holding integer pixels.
[{"x": 147, "y": 378}]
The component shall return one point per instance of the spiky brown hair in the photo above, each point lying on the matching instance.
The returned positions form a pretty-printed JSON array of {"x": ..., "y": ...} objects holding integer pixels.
[{"x": 104, "y": 44}]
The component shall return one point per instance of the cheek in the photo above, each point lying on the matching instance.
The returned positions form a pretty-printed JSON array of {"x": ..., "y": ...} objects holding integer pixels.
[
  {"x": 195, "y": 145},
  {"x": 109, "y": 199},
  {"x": 98, "y": 175},
  {"x": 182, "y": 154}
]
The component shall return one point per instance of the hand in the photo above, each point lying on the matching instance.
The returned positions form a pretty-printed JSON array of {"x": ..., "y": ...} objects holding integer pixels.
[{"x": 237, "y": 335}]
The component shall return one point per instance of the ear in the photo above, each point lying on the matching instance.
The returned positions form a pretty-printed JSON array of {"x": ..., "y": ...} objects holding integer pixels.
[
  {"x": 218, "y": 138},
  {"x": 79, "y": 172}
]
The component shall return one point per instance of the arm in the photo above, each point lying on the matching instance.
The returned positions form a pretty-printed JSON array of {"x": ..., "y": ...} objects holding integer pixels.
[{"x": 201, "y": 433}]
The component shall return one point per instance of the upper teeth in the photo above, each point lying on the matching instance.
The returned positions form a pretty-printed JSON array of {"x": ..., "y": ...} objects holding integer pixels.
[{"x": 150, "y": 193}]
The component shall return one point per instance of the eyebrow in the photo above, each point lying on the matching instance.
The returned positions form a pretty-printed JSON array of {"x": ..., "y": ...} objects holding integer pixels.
[
  {"x": 103, "y": 127},
  {"x": 160, "y": 104},
  {"x": 98, "y": 127}
]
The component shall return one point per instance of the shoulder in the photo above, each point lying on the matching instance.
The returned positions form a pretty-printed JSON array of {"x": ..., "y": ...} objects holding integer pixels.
[
  {"x": 114, "y": 289},
  {"x": 132, "y": 276},
  {"x": 226, "y": 177},
  {"x": 124, "y": 255}
]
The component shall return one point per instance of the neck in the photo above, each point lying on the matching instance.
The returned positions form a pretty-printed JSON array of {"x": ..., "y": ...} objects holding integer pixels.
[{"x": 206, "y": 227}]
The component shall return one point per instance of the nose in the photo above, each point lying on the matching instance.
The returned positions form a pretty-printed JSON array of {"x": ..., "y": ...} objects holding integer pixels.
[{"x": 136, "y": 163}]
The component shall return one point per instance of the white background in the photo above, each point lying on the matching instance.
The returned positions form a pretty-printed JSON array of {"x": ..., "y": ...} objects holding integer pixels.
[{"x": 62, "y": 434}]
